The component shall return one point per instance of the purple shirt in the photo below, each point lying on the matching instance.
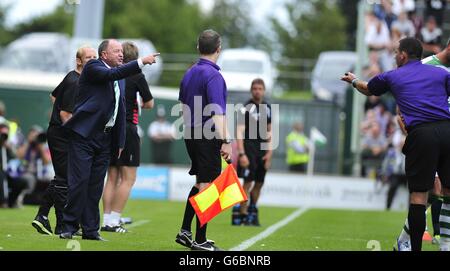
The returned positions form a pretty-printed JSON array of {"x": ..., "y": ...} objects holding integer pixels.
[
  {"x": 203, "y": 82},
  {"x": 421, "y": 91}
]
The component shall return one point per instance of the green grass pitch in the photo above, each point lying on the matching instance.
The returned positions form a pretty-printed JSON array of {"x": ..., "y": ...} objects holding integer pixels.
[{"x": 157, "y": 222}]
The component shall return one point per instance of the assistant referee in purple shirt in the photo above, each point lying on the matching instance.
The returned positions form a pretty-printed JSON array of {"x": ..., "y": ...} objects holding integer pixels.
[
  {"x": 421, "y": 92},
  {"x": 203, "y": 94}
]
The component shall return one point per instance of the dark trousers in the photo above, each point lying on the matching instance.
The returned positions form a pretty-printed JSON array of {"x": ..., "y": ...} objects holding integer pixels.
[
  {"x": 161, "y": 151},
  {"x": 15, "y": 187},
  {"x": 87, "y": 164},
  {"x": 3, "y": 188},
  {"x": 56, "y": 193}
]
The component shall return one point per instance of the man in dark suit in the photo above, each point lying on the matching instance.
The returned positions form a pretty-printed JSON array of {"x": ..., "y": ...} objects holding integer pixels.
[{"x": 97, "y": 128}]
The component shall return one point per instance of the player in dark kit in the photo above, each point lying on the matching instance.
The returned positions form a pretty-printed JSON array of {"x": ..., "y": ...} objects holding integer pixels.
[
  {"x": 254, "y": 129},
  {"x": 63, "y": 97}
]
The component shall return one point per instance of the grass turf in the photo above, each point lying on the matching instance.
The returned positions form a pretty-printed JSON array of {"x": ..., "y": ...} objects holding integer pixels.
[{"x": 157, "y": 222}]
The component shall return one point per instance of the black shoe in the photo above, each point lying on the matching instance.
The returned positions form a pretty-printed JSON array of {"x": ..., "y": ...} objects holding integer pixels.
[
  {"x": 66, "y": 235},
  {"x": 42, "y": 225},
  {"x": 206, "y": 246},
  {"x": 184, "y": 238},
  {"x": 59, "y": 229},
  {"x": 118, "y": 229},
  {"x": 94, "y": 238},
  {"x": 255, "y": 222}
]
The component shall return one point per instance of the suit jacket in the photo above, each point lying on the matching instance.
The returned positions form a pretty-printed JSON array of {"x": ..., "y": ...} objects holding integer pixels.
[{"x": 96, "y": 100}]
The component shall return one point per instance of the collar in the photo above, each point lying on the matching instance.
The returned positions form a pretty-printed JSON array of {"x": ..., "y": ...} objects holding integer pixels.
[
  {"x": 412, "y": 62},
  {"x": 203, "y": 61},
  {"x": 105, "y": 64}
]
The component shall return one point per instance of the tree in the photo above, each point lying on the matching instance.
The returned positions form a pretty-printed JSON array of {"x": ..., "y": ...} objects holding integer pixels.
[
  {"x": 60, "y": 20},
  {"x": 314, "y": 26},
  {"x": 230, "y": 18},
  {"x": 5, "y": 35},
  {"x": 172, "y": 25}
]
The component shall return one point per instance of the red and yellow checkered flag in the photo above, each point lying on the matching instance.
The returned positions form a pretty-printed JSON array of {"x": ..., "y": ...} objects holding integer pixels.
[{"x": 224, "y": 192}]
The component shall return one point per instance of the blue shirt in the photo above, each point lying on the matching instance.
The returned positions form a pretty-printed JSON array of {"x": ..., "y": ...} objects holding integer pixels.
[
  {"x": 421, "y": 91},
  {"x": 203, "y": 82}
]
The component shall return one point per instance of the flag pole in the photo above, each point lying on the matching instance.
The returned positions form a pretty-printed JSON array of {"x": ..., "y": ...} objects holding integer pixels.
[{"x": 312, "y": 154}]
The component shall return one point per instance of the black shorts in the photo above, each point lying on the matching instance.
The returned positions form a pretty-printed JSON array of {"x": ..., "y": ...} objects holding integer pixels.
[
  {"x": 256, "y": 170},
  {"x": 131, "y": 154},
  {"x": 427, "y": 151},
  {"x": 205, "y": 158}
]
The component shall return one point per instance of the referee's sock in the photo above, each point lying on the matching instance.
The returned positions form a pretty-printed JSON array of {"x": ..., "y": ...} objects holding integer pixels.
[
  {"x": 200, "y": 233},
  {"x": 189, "y": 212},
  {"x": 416, "y": 221}
]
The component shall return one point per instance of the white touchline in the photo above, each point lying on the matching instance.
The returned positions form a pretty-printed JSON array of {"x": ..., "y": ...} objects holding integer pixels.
[
  {"x": 137, "y": 223},
  {"x": 250, "y": 242}
]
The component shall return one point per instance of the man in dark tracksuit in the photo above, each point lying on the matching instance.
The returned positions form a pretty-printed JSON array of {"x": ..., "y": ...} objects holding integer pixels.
[{"x": 63, "y": 98}]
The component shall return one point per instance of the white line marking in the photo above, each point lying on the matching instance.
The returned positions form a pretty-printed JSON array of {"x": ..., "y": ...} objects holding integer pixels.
[
  {"x": 250, "y": 242},
  {"x": 137, "y": 224}
]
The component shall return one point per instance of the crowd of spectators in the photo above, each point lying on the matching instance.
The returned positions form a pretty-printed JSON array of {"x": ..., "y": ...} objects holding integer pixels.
[{"x": 25, "y": 163}]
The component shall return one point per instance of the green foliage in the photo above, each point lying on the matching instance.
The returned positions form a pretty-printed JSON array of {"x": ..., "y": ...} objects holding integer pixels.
[
  {"x": 5, "y": 35},
  {"x": 61, "y": 20},
  {"x": 316, "y": 26},
  {"x": 230, "y": 19},
  {"x": 172, "y": 25},
  {"x": 157, "y": 222}
]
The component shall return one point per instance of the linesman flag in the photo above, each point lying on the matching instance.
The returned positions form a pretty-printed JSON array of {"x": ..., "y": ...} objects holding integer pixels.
[{"x": 224, "y": 192}]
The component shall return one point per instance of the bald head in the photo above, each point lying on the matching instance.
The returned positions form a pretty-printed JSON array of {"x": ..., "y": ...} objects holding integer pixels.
[
  {"x": 84, "y": 54},
  {"x": 111, "y": 52}
]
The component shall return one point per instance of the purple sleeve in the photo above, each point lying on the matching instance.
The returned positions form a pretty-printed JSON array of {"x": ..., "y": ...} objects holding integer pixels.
[
  {"x": 379, "y": 85},
  {"x": 216, "y": 93}
]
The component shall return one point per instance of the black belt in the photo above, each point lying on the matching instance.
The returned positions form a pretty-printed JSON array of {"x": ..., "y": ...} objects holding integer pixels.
[{"x": 107, "y": 129}]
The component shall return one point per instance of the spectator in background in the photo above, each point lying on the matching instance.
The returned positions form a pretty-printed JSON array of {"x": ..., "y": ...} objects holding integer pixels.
[
  {"x": 297, "y": 151},
  {"x": 399, "y": 6},
  {"x": 15, "y": 137},
  {"x": 374, "y": 146},
  {"x": 372, "y": 102},
  {"x": 404, "y": 25},
  {"x": 373, "y": 68},
  {"x": 383, "y": 11},
  {"x": 378, "y": 39},
  {"x": 431, "y": 37},
  {"x": 161, "y": 134},
  {"x": 383, "y": 117},
  {"x": 366, "y": 125},
  {"x": 10, "y": 186},
  {"x": 436, "y": 8},
  {"x": 122, "y": 170},
  {"x": 22, "y": 172},
  {"x": 393, "y": 167}
]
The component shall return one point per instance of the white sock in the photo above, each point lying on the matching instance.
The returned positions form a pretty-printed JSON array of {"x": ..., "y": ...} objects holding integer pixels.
[
  {"x": 404, "y": 235},
  {"x": 426, "y": 224},
  {"x": 444, "y": 222},
  {"x": 115, "y": 219},
  {"x": 106, "y": 219}
]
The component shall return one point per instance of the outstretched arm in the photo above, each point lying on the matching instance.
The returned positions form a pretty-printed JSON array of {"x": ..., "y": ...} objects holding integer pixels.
[{"x": 360, "y": 85}]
